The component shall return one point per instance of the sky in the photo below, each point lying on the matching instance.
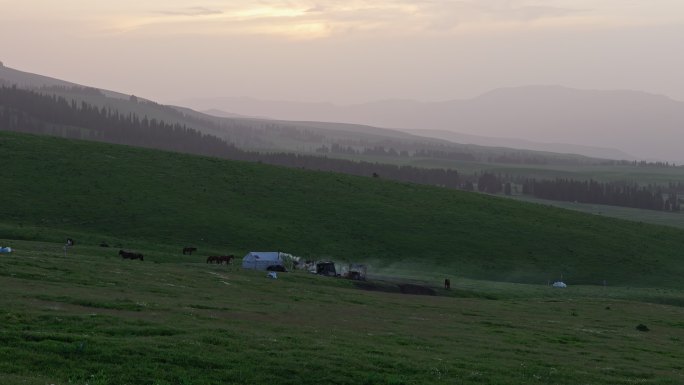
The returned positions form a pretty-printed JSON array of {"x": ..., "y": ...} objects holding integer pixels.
[{"x": 347, "y": 51}]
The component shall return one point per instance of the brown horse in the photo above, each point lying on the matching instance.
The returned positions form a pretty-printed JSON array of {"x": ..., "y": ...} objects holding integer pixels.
[
  {"x": 189, "y": 250},
  {"x": 226, "y": 258}
]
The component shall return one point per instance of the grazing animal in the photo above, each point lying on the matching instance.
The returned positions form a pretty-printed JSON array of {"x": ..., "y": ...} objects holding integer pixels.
[
  {"x": 447, "y": 284},
  {"x": 104, "y": 244},
  {"x": 212, "y": 259},
  {"x": 70, "y": 242},
  {"x": 189, "y": 250},
  {"x": 129, "y": 255}
]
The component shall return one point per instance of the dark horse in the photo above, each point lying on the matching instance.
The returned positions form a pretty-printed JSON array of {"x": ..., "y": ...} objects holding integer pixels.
[
  {"x": 129, "y": 255},
  {"x": 220, "y": 259},
  {"x": 189, "y": 250}
]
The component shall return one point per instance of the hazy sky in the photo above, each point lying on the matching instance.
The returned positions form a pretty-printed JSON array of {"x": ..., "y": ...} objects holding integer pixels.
[{"x": 347, "y": 51}]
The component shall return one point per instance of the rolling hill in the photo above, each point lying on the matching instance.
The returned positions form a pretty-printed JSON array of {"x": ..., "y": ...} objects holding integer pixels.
[{"x": 128, "y": 196}]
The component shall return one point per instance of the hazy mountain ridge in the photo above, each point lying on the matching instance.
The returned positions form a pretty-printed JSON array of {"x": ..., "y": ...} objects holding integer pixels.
[
  {"x": 635, "y": 123},
  {"x": 11, "y": 76},
  {"x": 264, "y": 134}
]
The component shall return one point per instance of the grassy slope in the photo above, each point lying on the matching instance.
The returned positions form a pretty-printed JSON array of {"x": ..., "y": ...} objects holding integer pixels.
[
  {"x": 663, "y": 218},
  {"x": 132, "y": 196}
]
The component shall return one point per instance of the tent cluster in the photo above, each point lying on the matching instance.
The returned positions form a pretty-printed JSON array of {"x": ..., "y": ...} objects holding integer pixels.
[
  {"x": 279, "y": 261},
  {"x": 269, "y": 260}
]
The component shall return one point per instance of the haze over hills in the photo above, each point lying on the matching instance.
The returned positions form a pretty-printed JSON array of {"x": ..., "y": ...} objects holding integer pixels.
[
  {"x": 639, "y": 124},
  {"x": 267, "y": 134}
]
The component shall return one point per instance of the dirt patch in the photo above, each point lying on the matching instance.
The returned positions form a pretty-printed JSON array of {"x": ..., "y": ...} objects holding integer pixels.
[
  {"x": 409, "y": 288},
  {"x": 377, "y": 286},
  {"x": 393, "y": 287}
]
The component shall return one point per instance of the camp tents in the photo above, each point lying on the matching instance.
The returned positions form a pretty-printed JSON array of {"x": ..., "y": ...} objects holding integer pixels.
[{"x": 261, "y": 260}]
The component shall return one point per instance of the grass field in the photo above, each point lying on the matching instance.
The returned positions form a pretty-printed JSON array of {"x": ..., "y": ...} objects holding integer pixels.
[
  {"x": 605, "y": 173},
  {"x": 126, "y": 196},
  {"x": 89, "y": 317},
  {"x": 92, "y": 318},
  {"x": 663, "y": 218}
]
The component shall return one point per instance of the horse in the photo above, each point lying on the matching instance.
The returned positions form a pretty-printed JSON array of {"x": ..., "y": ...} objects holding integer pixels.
[
  {"x": 447, "y": 284},
  {"x": 189, "y": 250},
  {"x": 212, "y": 259},
  {"x": 226, "y": 259},
  {"x": 129, "y": 255}
]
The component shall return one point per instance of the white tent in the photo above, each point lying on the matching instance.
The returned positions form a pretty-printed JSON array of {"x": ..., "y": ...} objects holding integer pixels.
[
  {"x": 560, "y": 284},
  {"x": 261, "y": 260}
]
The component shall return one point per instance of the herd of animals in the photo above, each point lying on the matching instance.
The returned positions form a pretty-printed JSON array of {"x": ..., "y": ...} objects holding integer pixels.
[{"x": 219, "y": 259}]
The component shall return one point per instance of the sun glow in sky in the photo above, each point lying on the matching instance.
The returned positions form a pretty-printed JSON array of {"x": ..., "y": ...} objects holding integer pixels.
[
  {"x": 294, "y": 18},
  {"x": 350, "y": 50}
]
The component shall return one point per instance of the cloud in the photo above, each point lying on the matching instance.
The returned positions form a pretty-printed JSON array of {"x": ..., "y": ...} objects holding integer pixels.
[
  {"x": 323, "y": 18},
  {"x": 193, "y": 11}
]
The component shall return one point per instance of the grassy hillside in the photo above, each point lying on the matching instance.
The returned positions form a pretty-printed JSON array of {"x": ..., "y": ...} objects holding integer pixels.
[
  {"x": 627, "y": 213},
  {"x": 128, "y": 196},
  {"x": 605, "y": 173}
]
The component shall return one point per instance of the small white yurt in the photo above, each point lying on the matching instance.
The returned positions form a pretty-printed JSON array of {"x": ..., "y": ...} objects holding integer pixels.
[
  {"x": 261, "y": 260},
  {"x": 560, "y": 284}
]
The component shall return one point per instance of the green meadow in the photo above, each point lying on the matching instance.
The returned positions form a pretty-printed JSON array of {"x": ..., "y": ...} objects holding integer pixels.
[
  {"x": 88, "y": 317},
  {"x": 91, "y": 318}
]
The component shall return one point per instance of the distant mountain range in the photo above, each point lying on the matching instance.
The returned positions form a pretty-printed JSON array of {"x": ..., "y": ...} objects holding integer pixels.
[{"x": 608, "y": 124}]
